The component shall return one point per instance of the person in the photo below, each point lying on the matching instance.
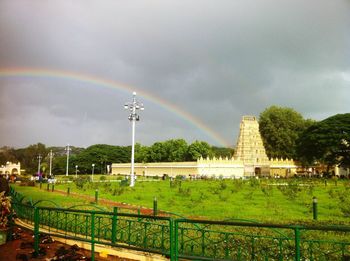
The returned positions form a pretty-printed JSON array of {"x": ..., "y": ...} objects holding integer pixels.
[{"x": 4, "y": 185}]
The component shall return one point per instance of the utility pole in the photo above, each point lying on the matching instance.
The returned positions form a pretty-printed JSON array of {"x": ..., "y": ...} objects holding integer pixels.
[
  {"x": 39, "y": 158},
  {"x": 67, "y": 149},
  {"x": 50, "y": 155}
]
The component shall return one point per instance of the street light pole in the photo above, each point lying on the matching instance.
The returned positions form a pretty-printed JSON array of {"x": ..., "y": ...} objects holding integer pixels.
[
  {"x": 50, "y": 155},
  {"x": 133, "y": 117},
  {"x": 76, "y": 171},
  {"x": 92, "y": 172},
  {"x": 67, "y": 149},
  {"x": 39, "y": 158}
]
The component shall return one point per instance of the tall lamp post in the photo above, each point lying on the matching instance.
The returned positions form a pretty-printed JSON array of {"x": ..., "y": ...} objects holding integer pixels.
[
  {"x": 133, "y": 117},
  {"x": 50, "y": 155},
  {"x": 39, "y": 158},
  {"x": 67, "y": 149},
  {"x": 92, "y": 172},
  {"x": 76, "y": 171},
  {"x": 39, "y": 176}
]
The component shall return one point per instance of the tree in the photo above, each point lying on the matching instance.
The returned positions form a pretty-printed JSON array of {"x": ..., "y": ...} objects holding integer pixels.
[
  {"x": 176, "y": 150},
  {"x": 199, "y": 149},
  {"x": 327, "y": 141},
  {"x": 7, "y": 154},
  {"x": 29, "y": 157},
  {"x": 222, "y": 152},
  {"x": 158, "y": 152},
  {"x": 142, "y": 153},
  {"x": 100, "y": 155},
  {"x": 280, "y": 127}
]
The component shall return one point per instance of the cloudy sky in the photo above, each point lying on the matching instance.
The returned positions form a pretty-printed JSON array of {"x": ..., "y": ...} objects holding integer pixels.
[{"x": 68, "y": 67}]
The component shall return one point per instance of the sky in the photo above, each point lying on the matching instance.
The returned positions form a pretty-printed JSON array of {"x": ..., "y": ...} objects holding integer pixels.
[{"x": 68, "y": 67}]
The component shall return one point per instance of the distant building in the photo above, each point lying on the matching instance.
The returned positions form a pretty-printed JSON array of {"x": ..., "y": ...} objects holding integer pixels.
[
  {"x": 10, "y": 168},
  {"x": 249, "y": 160}
]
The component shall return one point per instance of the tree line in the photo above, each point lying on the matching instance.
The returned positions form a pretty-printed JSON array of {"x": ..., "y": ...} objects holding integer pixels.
[{"x": 103, "y": 155}]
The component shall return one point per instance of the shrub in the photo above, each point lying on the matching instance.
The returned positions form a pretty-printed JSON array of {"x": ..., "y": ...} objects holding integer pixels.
[
  {"x": 81, "y": 181},
  {"x": 184, "y": 192},
  {"x": 267, "y": 190},
  {"x": 223, "y": 185}
]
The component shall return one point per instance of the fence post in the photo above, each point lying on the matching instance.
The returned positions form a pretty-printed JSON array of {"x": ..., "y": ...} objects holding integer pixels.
[
  {"x": 314, "y": 208},
  {"x": 36, "y": 231},
  {"x": 171, "y": 235},
  {"x": 114, "y": 225},
  {"x": 92, "y": 236},
  {"x": 155, "y": 206},
  {"x": 96, "y": 196},
  {"x": 297, "y": 243},
  {"x": 176, "y": 241}
]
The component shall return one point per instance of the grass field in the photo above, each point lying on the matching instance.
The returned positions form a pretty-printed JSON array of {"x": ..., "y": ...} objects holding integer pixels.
[{"x": 266, "y": 200}]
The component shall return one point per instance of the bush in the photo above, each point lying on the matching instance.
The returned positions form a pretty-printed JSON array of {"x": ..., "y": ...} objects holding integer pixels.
[
  {"x": 81, "y": 181},
  {"x": 223, "y": 185}
]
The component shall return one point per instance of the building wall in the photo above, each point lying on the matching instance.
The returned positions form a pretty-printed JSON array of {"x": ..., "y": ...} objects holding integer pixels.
[
  {"x": 283, "y": 167},
  {"x": 11, "y": 168},
  {"x": 339, "y": 171},
  {"x": 215, "y": 167},
  {"x": 218, "y": 167},
  {"x": 172, "y": 169}
]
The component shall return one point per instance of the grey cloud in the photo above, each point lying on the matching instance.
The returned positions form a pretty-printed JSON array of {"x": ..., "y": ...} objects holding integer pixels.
[{"x": 216, "y": 60}]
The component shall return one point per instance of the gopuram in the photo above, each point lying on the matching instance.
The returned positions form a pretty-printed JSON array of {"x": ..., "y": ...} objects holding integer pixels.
[{"x": 249, "y": 160}]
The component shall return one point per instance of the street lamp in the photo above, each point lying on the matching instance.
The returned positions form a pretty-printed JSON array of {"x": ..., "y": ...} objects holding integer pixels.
[
  {"x": 133, "y": 117},
  {"x": 39, "y": 158},
  {"x": 92, "y": 172},
  {"x": 76, "y": 171},
  {"x": 67, "y": 149},
  {"x": 50, "y": 155}
]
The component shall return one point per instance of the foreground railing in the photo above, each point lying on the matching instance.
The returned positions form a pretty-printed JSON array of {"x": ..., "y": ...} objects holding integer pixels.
[
  {"x": 215, "y": 240},
  {"x": 188, "y": 239},
  {"x": 138, "y": 232}
]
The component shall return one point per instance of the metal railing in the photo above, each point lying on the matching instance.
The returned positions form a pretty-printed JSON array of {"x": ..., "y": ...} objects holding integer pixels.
[
  {"x": 187, "y": 238},
  {"x": 215, "y": 240}
]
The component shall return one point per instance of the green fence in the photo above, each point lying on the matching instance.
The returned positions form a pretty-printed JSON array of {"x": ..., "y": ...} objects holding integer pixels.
[
  {"x": 214, "y": 240},
  {"x": 187, "y": 239}
]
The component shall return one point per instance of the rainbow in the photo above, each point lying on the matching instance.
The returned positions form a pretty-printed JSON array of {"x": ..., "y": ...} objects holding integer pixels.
[{"x": 67, "y": 75}]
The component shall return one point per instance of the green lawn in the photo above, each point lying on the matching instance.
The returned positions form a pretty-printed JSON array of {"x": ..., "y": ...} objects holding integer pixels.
[{"x": 281, "y": 201}]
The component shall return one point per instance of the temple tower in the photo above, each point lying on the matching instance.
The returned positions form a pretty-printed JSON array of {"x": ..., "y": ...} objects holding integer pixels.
[{"x": 250, "y": 148}]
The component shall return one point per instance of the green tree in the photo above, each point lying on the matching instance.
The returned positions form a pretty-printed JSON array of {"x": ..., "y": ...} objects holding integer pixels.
[
  {"x": 29, "y": 157},
  {"x": 280, "y": 127},
  {"x": 327, "y": 141},
  {"x": 142, "y": 153},
  {"x": 222, "y": 152},
  {"x": 199, "y": 149},
  {"x": 100, "y": 155},
  {"x": 7, "y": 154},
  {"x": 176, "y": 150}
]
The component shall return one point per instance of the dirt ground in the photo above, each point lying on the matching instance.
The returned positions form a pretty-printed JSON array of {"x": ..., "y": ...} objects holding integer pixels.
[{"x": 21, "y": 248}]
